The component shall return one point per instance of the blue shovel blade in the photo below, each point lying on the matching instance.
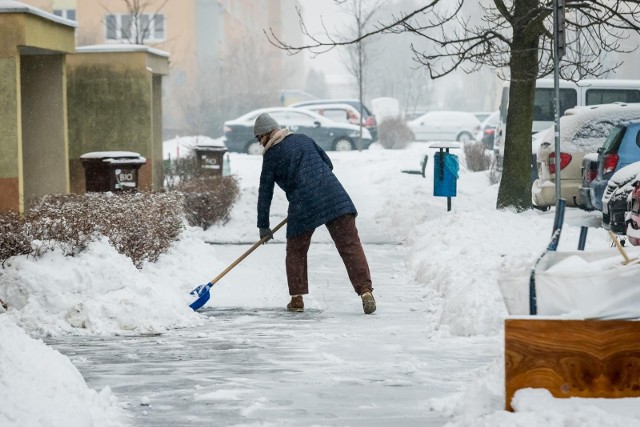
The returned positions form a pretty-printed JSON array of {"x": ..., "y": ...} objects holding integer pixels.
[{"x": 203, "y": 296}]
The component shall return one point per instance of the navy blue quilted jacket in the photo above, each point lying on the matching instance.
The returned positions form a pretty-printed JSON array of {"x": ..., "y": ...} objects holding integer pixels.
[{"x": 304, "y": 172}]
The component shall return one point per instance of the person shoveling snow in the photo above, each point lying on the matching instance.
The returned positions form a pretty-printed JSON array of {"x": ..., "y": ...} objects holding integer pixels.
[{"x": 316, "y": 197}]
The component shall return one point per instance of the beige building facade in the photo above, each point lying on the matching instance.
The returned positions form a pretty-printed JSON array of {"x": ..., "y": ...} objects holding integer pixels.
[
  {"x": 219, "y": 53},
  {"x": 33, "y": 105}
]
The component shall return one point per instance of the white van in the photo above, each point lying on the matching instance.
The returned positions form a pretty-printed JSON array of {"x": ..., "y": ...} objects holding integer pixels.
[{"x": 572, "y": 94}]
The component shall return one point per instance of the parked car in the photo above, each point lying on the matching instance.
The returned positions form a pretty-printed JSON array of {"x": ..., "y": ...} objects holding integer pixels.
[
  {"x": 444, "y": 126},
  {"x": 483, "y": 115},
  {"x": 485, "y": 133},
  {"x": 582, "y": 130},
  {"x": 621, "y": 148},
  {"x": 589, "y": 171},
  {"x": 633, "y": 215},
  {"x": 368, "y": 117},
  {"x": 328, "y": 134},
  {"x": 339, "y": 113},
  {"x": 615, "y": 197}
]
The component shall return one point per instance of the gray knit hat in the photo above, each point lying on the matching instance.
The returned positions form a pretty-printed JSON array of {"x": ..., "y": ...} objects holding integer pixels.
[{"x": 264, "y": 124}]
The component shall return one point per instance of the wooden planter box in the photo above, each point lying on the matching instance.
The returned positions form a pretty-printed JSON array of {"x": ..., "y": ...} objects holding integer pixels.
[{"x": 572, "y": 358}]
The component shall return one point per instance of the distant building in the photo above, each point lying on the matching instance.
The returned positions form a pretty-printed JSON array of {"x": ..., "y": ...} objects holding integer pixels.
[{"x": 212, "y": 44}]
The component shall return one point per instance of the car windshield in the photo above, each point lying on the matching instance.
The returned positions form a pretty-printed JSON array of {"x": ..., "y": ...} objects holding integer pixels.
[{"x": 613, "y": 140}]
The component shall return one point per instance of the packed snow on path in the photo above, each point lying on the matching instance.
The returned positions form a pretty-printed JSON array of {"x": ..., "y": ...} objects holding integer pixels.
[{"x": 456, "y": 256}]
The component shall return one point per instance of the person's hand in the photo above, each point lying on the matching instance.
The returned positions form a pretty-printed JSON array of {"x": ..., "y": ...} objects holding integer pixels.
[{"x": 266, "y": 232}]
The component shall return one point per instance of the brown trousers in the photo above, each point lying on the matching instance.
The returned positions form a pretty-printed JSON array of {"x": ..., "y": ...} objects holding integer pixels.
[{"x": 344, "y": 233}]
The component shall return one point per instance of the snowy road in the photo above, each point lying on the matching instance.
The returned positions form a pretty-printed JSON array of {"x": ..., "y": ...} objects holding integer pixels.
[{"x": 331, "y": 365}]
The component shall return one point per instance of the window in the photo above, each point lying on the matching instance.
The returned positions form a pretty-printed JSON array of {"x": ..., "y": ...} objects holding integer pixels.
[
  {"x": 299, "y": 119},
  {"x": 607, "y": 96},
  {"x": 339, "y": 116},
  {"x": 612, "y": 142},
  {"x": 124, "y": 27},
  {"x": 69, "y": 14},
  {"x": 544, "y": 103}
]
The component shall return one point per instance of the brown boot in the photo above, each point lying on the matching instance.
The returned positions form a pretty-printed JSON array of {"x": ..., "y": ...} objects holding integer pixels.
[
  {"x": 368, "y": 302},
  {"x": 296, "y": 304}
]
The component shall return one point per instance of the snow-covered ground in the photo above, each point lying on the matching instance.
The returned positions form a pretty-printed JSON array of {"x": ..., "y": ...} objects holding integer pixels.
[{"x": 455, "y": 256}]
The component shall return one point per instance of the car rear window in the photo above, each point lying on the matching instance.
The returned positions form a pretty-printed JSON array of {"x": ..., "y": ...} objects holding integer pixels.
[
  {"x": 594, "y": 129},
  {"x": 612, "y": 142}
]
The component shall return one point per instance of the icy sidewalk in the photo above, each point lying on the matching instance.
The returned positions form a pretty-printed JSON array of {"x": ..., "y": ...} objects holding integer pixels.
[{"x": 331, "y": 365}]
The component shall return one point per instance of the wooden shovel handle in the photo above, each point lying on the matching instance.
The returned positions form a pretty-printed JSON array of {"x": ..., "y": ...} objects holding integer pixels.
[
  {"x": 248, "y": 252},
  {"x": 627, "y": 260}
]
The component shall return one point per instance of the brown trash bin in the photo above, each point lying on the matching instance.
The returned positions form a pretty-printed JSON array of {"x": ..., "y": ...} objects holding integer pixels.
[
  {"x": 210, "y": 159},
  {"x": 111, "y": 170}
]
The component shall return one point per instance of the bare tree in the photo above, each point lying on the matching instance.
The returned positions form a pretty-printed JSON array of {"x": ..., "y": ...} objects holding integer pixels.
[
  {"x": 233, "y": 85},
  {"x": 141, "y": 17},
  {"x": 357, "y": 57},
  {"x": 513, "y": 37}
]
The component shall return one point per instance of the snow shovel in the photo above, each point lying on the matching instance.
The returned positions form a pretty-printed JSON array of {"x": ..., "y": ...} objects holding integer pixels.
[{"x": 203, "y": 290}]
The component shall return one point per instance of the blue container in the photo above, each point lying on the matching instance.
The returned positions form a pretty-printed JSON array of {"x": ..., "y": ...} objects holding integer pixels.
[{"x": 445, "y": 174}]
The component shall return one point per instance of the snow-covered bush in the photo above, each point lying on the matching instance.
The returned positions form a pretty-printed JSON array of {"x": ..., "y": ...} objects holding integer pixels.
[
  {"x": 13, "y": 238},
  {"x": 393, "y": 133},
  {"x": 208, "y": 200},
  {"x": 476, "y": 156},
  {"x": 139, "y": 225},
  {"x": 181, "y": 169}
]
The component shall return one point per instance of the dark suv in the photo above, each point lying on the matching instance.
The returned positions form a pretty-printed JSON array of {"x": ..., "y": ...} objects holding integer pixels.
[{"x": 367, "y": 116}]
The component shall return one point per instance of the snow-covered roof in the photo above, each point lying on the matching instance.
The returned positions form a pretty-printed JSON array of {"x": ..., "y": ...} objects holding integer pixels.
[
  {"x": 584, "y": 129},
  {"x": 113, "y": 48},
  {"x": 11, "y": 6}
]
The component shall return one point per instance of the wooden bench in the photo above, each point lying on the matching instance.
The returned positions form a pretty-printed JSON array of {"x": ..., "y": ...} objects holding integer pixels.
[{"x": 572, "y": 358}]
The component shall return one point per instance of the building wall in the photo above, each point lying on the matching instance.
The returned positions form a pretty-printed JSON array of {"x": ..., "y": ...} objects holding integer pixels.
[
  {"x": 200, "y": 36},
  {"x": 111, "y": 108},
  {"x": 44, "y": 126},
  {"x": 33, "y": 132},
  {"x": 10, "y": 135}
]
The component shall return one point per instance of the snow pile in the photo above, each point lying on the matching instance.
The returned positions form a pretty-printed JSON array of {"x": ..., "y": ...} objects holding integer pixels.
[
  {"x": 41, "y": 387},
  {"x": 100, "y": 291}
]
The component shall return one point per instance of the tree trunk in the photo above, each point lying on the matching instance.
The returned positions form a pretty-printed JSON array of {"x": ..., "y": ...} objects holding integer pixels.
[{"x": 515, "y": 185}]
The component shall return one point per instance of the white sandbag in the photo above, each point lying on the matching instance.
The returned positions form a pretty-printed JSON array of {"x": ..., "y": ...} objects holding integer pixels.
[{"x": 581, "y": 285}]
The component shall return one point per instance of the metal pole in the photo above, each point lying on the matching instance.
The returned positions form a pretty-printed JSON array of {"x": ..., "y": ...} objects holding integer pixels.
[{"x": 556, "y": 85}]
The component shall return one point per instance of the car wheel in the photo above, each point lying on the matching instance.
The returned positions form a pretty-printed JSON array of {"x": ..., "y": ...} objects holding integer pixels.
[
  {"x": 465, "y": 137},
  {"x": 254, "y": 148},
  {"x": 343, "y": 144}
]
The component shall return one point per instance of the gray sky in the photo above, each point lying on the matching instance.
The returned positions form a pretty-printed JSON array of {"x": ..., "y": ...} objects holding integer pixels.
[{"x": 332, "y": 16}]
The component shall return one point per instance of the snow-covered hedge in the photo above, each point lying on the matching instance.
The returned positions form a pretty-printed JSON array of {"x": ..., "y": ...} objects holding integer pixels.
[{"x": 139, "y": 225}]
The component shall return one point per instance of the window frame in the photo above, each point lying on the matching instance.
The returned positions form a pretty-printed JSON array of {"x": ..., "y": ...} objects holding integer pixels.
[{"x": 120, "y": 33}]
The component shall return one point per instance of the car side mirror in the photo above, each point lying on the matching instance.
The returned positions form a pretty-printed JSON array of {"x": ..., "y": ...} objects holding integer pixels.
[
  {"x": 600, "y": 150},
  {"x": 317, "y": 123}
]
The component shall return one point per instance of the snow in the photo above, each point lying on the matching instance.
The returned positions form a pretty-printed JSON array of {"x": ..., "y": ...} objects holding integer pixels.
[
  {"x": 456, "y": 258},
  {"x": 584, "y": 129},
  {"x": 116, "y": 157},
  {"x": 124, "y": 47},
  {"x": 182, "y": 146}
]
